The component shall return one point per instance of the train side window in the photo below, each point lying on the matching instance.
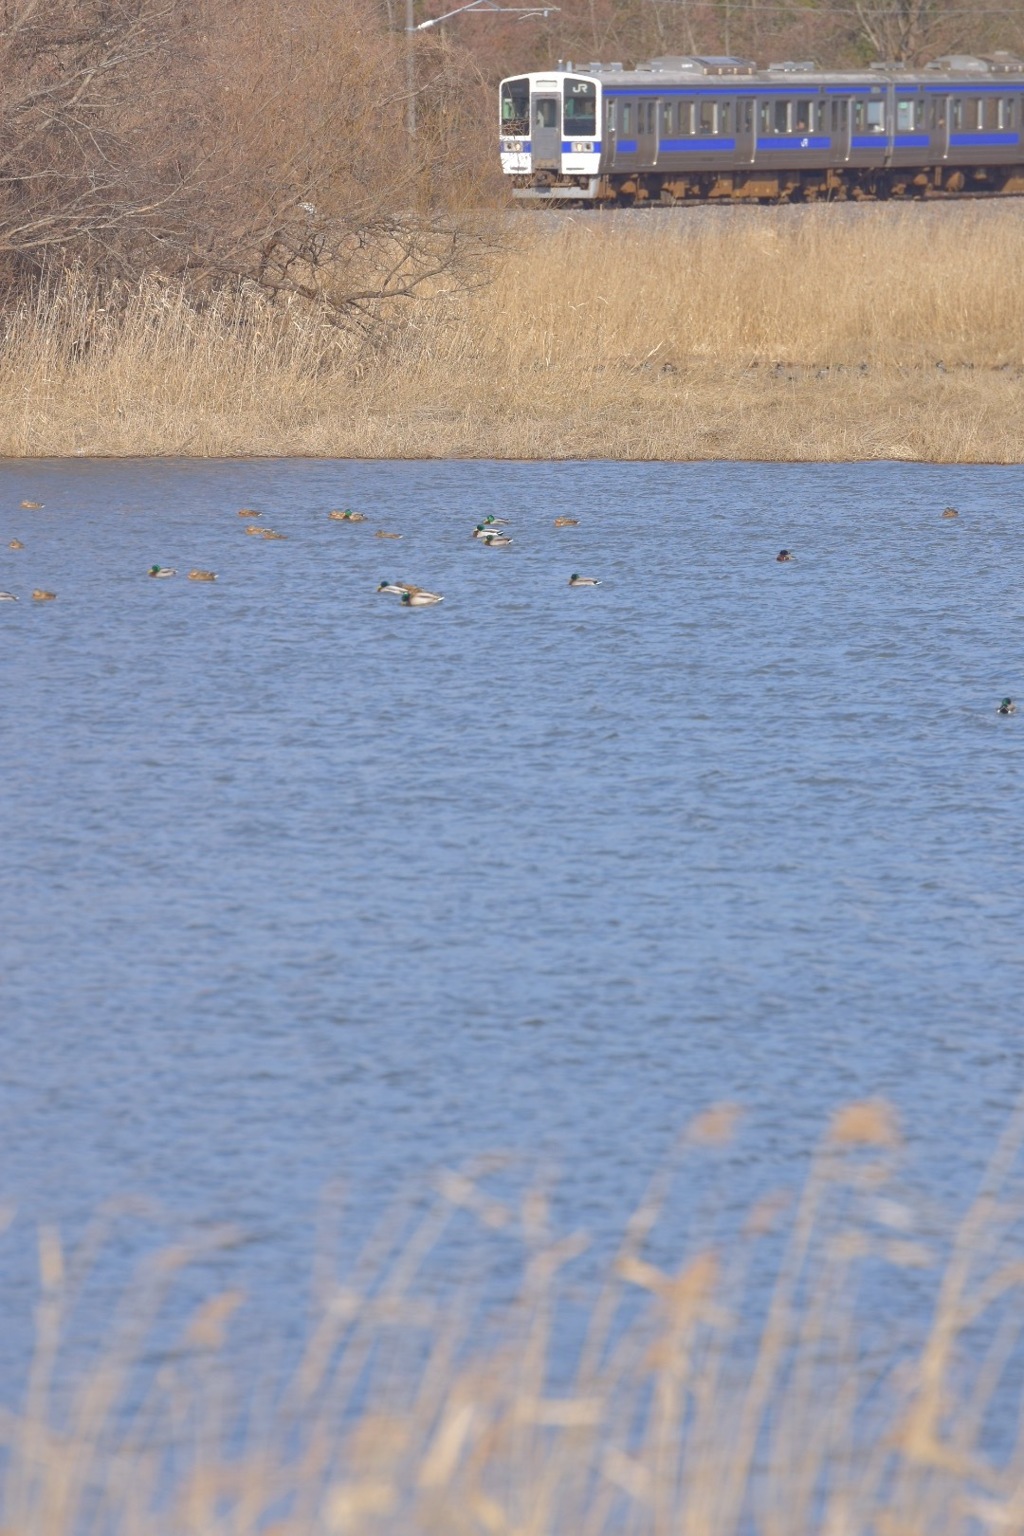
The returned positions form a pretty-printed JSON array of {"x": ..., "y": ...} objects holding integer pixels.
[
  {"x": 747, "y": 110},
  {"x": 938, "y": 113},
  {"x": 666, "y": 119},
  {"x": 956, "y": 113},
  {"x": 707, "y": 117},
  {"x": 802, "y": 118},
  {"x": 840, "y": 116},
  {"x": 783, "y": 115},
  {"x": 627, "y": 116},
  {"x": 764, "y": 117},
  {"x": 611, "y": 116},
  {"x": 724, "y": 115},
  {"x": 905, "y": 114},
  {"x": 1004, "y": 115}
]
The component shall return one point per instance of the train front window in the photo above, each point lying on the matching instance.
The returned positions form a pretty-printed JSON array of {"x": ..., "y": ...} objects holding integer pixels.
[
  {"x": 580, "y": 109},
  {"x": 515, "y": 107}
]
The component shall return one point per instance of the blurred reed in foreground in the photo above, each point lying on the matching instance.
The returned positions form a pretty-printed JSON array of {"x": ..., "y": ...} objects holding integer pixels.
[
  {"x": 691, "y": 1401},
  {"x": 808, "y": 333}
]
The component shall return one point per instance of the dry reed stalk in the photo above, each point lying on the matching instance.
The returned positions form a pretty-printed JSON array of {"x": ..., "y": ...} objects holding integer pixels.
[
  {"x": 815, "y": 333},
  {"x": 694, "y": 1409}
]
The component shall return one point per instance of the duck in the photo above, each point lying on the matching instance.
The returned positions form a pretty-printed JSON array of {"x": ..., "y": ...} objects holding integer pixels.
[
  {"x": 1006, "y": 707},
  {"x": 44, "y": 597},
  {"x": 7, "y": 597},
  {"x": 254, "y": 528},
  {"x": 398, "y": 588},
  {"x": 420, "y": 599},
  {"x": 32, "y": 506},
  {"x": 161, "y": 570},
  {"x": 783, "y": 555},
  {"x": 249, "y": 512},
  {"x": 567, "y": 522},
  {"x": 496, "y": 540},
  {"x": 198, "y": 575},
  {"x": 268, "y": 533},
  {"x": 576, "y": 580},
  {"x": 490, "y": 521},
  {"x": 15, "y": 544},
  {"x": 348, "y": 516},
  {"x": 951, "y": 512},
  {"x": 380, "y": 534}
]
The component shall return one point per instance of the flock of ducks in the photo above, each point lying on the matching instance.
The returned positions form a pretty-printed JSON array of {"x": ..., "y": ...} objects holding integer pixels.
[{"x": 489, "y": 532}]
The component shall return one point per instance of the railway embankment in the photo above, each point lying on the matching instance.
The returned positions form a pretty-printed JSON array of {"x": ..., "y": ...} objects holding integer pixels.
[{"x": 846, "y": 332}]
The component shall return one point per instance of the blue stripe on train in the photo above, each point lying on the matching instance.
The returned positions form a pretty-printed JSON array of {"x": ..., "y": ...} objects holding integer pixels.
[
  {"x": 911, "y": 141},
  {"x": 697, "y": 145},
  {"x": 968, "y": 140},
  {"x": 794, "y": 141}
]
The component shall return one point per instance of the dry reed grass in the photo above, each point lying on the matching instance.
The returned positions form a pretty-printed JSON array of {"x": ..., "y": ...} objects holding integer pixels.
[
  {"x": 813, "y": 333},
  {"x": 698, "y": 1404}
]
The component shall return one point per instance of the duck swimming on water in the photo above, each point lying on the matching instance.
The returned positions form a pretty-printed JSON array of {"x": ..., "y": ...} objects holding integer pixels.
[
  {"x": 783, "y": 555},
  {"x": 1006, "y": 707},
  {"x": 576, "y": 580},
  {"x": 161, "y": 570},
  {"x": 420, "y": 599}
]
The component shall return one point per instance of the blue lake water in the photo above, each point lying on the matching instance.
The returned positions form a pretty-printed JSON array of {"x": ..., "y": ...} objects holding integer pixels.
[{"x": 301, "y": 886}]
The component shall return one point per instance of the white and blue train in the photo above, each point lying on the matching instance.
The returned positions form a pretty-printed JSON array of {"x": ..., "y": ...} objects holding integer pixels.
[{"x": 680, "y": 129}]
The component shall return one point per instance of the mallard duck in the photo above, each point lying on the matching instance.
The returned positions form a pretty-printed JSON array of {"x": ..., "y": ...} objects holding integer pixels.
[
  {"x": 198, "y": 575},
  {"x": 32, "y": 506},
  {"x": 496, "y": 540},
  {"x": 567, "y": 522},
  {"x": 15, "y": 544},
  {"x": 783, "y": 555},
  {"x": 161, "y": 570},
  {"x": 255, "y": 530},
  {"x": 490, "y": 521},
  {"x": 44, "y": 597},
  {"x": 575, "y": 580},
  {"x": 268, "y": 533},
  {"x": 398, "y": 588},
  {"x": 380, "y": 534},
  {"x": 951, "y": 512},
  {"x": 250, "y": 512},
  {"x": 419, "y": 599},
  {"x": 7, "y": 597},
  {"x": 348, "y": 517},
  {"x": 1006, "y": 707}
]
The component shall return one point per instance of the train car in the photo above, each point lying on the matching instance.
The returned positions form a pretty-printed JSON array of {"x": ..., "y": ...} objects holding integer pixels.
[{"x": 680, "y": 129}]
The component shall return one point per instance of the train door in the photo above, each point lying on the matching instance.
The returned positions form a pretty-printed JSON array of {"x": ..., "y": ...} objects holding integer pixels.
[
  {"x": 938, "y": 126},
  {"x": 647, "y": 130},
  {"x": 546, "y": 132},
  {"x": 745, "y": 145},
  {"x": 839, "y": 129}
]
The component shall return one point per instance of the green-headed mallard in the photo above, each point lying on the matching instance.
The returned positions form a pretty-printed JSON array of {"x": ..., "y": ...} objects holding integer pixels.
[
  {"x": 1006, "y": 707},
  {"x": 576, "y": 580},
  {"x": 398, "y": 588},
  {"x": 496, "y": 540},
  {"x": 420, "y": 599},
  {"x": 348, "y": 516},
  {"x": 161, "y": 570}
]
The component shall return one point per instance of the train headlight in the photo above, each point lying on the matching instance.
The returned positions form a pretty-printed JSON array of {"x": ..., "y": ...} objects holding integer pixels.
[{"x": 581, "y": 147}]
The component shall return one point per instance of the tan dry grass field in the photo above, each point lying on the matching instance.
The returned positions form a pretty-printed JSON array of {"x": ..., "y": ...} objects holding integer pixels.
[
  {"x": 755, "y": 1383},
  {"x": 844, "y": 332}
]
